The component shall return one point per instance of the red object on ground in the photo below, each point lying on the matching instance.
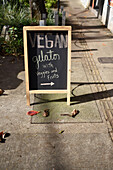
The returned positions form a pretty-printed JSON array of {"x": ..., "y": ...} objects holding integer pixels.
[
  {"x": 1, "y": 136},
  {"x": 1, "y": 133},
  {"x": 32, "y": 112}
]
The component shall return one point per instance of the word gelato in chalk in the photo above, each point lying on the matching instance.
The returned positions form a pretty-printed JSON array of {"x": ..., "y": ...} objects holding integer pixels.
[{"x": 48, "y": 56}]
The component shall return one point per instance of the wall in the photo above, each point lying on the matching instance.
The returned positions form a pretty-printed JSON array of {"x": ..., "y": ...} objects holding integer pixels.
[
  {"x": 107, "y": 15},
  {"x": 85, "y": 3},
  {"x": 107, "y": 12}
]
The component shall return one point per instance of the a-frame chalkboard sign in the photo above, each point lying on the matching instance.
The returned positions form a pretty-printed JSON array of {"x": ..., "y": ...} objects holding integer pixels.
[{"x": 47, "y": 55}]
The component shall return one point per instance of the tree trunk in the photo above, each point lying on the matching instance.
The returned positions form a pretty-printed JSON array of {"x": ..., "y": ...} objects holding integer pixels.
[{"x": 31, "y": 7}]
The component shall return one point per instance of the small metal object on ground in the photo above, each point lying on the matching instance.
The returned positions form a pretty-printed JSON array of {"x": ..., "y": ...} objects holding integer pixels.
[{"x": 105, "y": 60}]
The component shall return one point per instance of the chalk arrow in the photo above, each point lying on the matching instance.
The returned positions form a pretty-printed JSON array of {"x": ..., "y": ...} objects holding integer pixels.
[{"x": 47, "y": 84}]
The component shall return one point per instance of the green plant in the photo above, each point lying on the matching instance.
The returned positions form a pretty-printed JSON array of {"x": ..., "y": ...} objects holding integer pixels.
[
  {"x": 16, "y": 19},
  {"x": 20, "y": 3},
  {"x": 13, "y": 17},
  {"x": 15, "y": 45},
  {"x": 50, "y": 3},
  {"x": 50, "y": 17},
  {"x": 50, "y": 13}
]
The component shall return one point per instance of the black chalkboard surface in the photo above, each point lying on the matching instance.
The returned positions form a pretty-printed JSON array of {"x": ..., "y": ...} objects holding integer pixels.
[
  {"x": 47, "y": 59},
  {"x": 47, "y": 56}
]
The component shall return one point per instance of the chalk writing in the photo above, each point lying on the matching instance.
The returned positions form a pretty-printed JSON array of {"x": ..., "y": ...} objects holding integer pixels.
[
  {"x": 44, "y": 41},
  {"x": 47, "y": 52},
  {"x": 49, "y": 65},
  {"x": 60, "y": 41},
  {"x": 54, "y": 76},
  {"x": 44, "y": 57},
  {"x": 54, "y": 71},
  {"x": 42, "y": 74}
]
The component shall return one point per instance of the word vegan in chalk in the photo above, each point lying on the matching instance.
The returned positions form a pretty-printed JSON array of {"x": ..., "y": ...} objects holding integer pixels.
[
  {"x": 47, "y": 59},
  {"x": 60, "y": 42}
]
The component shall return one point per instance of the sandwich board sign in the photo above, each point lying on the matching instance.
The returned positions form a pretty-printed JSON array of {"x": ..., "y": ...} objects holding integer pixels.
[{"x": 47, "y": 57}]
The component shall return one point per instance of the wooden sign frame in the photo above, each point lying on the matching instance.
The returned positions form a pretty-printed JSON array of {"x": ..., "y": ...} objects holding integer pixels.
[{"x": 47, "y": 28}]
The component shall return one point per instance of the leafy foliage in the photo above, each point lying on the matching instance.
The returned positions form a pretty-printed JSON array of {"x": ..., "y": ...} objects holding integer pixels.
[
  {"x": 50, "y": 3},
  {"x": 19, "y": 3},
  {"x": 50, "y": 17},
  {"x": 14, "y": 46},
  {"x": 15, "y": 19}
]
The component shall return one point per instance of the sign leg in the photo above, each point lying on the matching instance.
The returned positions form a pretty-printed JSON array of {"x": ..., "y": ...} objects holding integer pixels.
[{"x": 28, "y": 98}]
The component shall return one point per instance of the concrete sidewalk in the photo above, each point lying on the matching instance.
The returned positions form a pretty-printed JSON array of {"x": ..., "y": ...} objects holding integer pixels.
[
  {"x": 97, "y": 44},
  {"x": 82, "y": 145}
]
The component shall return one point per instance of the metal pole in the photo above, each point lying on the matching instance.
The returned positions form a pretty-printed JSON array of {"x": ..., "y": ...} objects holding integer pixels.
[
  {"x": 58, "y": 6},
  {"x": 63, "y": 18},
  {"x": 56, "y": 18}
]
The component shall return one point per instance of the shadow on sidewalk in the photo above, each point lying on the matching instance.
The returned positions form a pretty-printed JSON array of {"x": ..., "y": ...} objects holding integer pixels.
[
  {"x": 85, "y": 50},
  {"x": 93, "y": 37},
  {"x": 64, "y": 4},
  {"x": 10, "y": 67},
  {"x": 81, "y": 12},
  {"x": 90, "y": 96},
  {"x": 82, "y": 98}
]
